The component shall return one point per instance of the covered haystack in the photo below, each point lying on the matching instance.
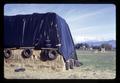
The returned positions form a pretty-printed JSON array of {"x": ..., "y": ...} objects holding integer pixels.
[{"x": 36, "y": 33}]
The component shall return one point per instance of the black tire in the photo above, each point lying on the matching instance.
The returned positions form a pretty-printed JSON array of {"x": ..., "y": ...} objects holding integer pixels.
[
  {"x": 52, "y": 55},
  {"x": 7, "y": 53},
  {"x": 26, "y": 53},
  {"x": 67, "y": 65},
  {"x": 44, "y": 55},
  {"x": 78, "y": 64},
  {"x": 20, "y": 69},
  {"x": 71, "y": 64}
]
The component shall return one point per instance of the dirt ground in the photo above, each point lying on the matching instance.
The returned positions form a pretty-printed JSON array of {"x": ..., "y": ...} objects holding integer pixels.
[
  {"x": 46, "y": 73},
  {"x": 37, "y": 71}
]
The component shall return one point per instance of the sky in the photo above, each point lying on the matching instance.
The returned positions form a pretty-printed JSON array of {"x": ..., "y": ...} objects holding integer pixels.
[{"x": 87, "y": 22}]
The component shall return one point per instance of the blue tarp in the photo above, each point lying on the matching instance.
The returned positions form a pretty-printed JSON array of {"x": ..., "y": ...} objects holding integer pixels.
[{"x": 32, "y": 30}]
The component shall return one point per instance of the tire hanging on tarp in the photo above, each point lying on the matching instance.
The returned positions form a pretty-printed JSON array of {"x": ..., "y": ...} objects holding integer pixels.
[
  {"x": 26, "y": 53},
  {"x": 52, "y": 55},
  {"x": 7, "y": 53},
  {"x": 44, "y": 55},
  {"x": 48, "y": 55}
]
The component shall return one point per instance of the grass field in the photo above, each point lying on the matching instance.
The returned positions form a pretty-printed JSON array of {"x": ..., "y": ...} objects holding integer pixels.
[
  {"x": 95, "y": 66},
  {"x": 101, "y": 61}
]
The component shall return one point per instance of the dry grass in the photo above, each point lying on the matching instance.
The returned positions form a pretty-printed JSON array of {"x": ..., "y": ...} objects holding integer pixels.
[
  {"x": 77, "y": 73},
  {"x": 37, "y": 69}
]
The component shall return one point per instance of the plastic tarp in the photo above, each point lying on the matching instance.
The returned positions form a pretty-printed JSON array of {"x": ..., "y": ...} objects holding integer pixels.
[{"x": 33, "y": 30}]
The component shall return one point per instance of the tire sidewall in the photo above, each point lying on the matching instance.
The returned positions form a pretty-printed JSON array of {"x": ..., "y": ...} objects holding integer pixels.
[
  {"x": 27, "y": 53},
  {"x": 52, "y": 55},
  {"x": 7, "y": 53}
]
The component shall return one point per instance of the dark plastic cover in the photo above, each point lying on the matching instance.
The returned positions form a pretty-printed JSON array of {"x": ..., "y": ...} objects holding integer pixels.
[{"x": 39, "y": 30}]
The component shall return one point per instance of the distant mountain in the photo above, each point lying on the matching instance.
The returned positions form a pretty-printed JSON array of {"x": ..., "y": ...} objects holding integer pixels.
[{"x": 97, "y": 43}]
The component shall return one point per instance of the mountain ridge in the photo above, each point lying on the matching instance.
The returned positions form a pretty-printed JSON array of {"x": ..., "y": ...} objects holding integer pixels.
[{"x": 97, "y": 43}]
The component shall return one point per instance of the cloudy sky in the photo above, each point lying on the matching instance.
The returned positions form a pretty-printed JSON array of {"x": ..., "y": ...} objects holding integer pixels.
[{"x": 87, "y": 22}]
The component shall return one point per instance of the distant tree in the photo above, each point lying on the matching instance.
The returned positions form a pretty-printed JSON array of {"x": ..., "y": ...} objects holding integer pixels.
[
  {"x": 86, "y": 45},
  {"x": 77, "y": 46},
  {"x": 81, "y": 45},
  {"x": 96, "y": 47},
  {"x": 106, "y": 46}
]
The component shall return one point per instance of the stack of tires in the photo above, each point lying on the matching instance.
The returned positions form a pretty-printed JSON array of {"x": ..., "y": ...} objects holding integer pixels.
[{"x": 71, "y": 63}]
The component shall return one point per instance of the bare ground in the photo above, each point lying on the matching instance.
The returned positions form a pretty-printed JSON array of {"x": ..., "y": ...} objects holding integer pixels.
[
  {"x": 46, "y": 73},
  {"x": 54, "y": 70}
]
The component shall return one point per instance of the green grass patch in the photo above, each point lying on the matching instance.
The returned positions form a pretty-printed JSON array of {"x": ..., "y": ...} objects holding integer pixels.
[{"x": 102, "y": 61}]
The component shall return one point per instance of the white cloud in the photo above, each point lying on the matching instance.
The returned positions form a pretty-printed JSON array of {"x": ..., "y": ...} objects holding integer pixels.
[
  {"x": 101, "y": 37},
  {"x": 79, "y": 17},
  {"x": 78, "y": 39}
]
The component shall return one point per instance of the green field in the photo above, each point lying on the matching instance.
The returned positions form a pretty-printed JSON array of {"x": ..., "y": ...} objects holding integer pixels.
[{"x": 100, "y": 61}]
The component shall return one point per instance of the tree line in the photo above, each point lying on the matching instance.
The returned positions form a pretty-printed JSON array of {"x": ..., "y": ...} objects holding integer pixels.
[{"x": 106, "y": 46}]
